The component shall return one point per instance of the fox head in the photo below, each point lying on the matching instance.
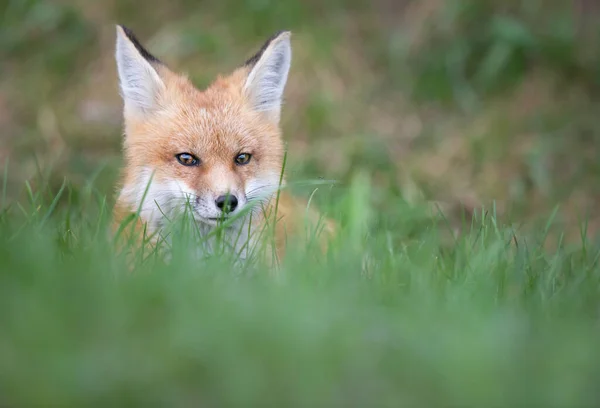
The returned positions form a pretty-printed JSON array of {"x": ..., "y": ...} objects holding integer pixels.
[{"x": 217, "y": 149}]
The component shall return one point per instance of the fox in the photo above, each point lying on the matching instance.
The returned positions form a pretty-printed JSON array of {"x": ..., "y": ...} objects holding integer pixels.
[{"x": 217, "y": 151}]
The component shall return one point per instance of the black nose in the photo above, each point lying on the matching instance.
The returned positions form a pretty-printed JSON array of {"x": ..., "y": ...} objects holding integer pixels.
[{"x": 227, "y": 203}]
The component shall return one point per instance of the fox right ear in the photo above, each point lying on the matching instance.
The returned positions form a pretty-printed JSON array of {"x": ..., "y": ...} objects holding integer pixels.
[
  {"x": 267, "y": 75},
  {"x": 139, "y": 81}
]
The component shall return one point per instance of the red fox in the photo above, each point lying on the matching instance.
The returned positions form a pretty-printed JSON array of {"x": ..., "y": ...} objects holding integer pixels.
[{"x": 216, "y": 151}]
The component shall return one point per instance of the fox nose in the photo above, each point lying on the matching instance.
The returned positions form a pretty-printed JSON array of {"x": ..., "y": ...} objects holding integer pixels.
[{"x": 227, "y": 203}]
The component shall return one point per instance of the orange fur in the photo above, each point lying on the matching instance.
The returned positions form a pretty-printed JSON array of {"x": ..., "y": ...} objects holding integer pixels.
[{"x": 165, "y": 115}]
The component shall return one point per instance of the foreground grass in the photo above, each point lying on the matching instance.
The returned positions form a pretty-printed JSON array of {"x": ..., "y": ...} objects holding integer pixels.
[{"x": 487, "y": 319}]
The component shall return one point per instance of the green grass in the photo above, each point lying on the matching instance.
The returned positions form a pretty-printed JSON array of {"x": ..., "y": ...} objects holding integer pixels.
[
  {"x": 489, "y": 319},
  {"x": 462, "y": 102}
]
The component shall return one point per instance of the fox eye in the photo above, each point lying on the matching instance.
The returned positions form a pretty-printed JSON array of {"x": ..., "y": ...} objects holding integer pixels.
[
  {"x": 243, "y": 158},
  {"x": 187, "y": 159}
]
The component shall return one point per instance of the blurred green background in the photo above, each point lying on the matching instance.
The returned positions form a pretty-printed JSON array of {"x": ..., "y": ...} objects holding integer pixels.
[{"x": 460, "y": 102}]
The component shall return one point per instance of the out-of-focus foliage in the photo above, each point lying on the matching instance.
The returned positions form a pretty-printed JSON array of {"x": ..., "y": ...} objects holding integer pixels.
[{"x": 463, "y": 103}]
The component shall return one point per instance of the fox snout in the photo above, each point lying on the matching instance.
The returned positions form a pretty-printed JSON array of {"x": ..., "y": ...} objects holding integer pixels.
[{"x": 213, "y": 206}]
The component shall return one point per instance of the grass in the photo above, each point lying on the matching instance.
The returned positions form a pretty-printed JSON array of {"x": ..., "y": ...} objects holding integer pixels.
[
  {"x": 491, "y": 318},
  {"x": 485, "y": 107}
]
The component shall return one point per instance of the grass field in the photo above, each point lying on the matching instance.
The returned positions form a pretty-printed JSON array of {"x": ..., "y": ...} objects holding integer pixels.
[{"x": 485, "y": 108}]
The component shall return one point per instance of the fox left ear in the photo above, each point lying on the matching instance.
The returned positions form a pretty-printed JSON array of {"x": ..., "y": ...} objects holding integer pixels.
[
  {"x": 139, "y": 80},
  {"x": 268, "y": 72}
]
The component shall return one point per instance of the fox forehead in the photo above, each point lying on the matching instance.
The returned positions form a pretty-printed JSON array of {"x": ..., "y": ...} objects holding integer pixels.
[{"x": 209, "y": 122}]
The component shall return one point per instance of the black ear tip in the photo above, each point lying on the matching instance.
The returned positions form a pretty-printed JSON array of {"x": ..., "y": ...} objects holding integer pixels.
[
  {"x": 254, "y": 59},
  {"x": 128, "y": 32},
  {"x": 141, "y": 49}
]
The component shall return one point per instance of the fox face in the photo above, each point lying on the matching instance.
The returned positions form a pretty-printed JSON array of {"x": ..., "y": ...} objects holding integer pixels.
[{"x": 213, "y": 151}]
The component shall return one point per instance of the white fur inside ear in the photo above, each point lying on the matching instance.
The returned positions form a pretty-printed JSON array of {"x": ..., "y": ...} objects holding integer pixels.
[
  {"x": 266, "y": 82},
  {"x": 139, "y": 82}
]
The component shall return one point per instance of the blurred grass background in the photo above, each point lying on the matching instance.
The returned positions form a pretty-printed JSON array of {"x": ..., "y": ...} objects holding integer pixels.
[{"x": 462, "y": 102}]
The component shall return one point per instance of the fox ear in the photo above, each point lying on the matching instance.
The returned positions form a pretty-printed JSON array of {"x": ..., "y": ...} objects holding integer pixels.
[
  {"x": 139, "y": 81},
  {"x": 268, "y": 72}
]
